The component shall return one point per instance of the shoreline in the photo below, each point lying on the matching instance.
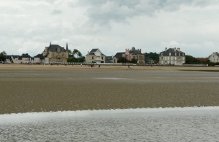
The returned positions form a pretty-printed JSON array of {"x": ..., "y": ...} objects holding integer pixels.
[{"x": 109, "y": 67}]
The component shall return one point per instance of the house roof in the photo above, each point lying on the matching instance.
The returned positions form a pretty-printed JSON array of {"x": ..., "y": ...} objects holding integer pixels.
[
  {"x": 55, "y": 48},
  {"x": 119, "y": 54},
  {"x": 216, "y": 53},
  {"x": 173, "y": 51},
  {"x": 14, "y": 56},
  {"x": 25, "y": 56},
  {"x": 39, "y": 56},
  {"x": 92, "y": 52},
  {"x": 135, "y": 51}
]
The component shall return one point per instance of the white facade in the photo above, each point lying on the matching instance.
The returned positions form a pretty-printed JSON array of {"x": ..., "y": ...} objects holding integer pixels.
[
  {"x": 172, "y": 56},
  {"x": 37, "y": 60},
  {"x": 214, "y": 57},
  {"x": 95, "y": 56}
]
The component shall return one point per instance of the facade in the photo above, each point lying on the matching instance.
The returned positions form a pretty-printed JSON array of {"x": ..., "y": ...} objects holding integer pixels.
[
  {"x": 95, "y": 56},
  {"x": 23, "y": 59},
  {"x": 55, "y": 54},
  {"x": 130, "y": 55},
  {"x": 214, "y": 57},
  {"x": 38, "y": 59},
  {"x": 172, "y": 56},
  {"x": 26, "y": 59}
]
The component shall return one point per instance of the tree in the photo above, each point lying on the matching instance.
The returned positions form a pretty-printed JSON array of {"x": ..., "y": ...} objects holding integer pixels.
[
  {"x": 76, "y": 53},
  {"x": 122, "y": 60},
  {"x": 151, "y": 57},
  {"x": 3, "y": 56},
  {"x": 76, "y": 56}
]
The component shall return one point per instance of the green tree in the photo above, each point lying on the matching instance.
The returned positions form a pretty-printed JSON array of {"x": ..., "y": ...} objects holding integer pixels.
[
  {"x": 191, "y": 60},
  {"x": 151, "y": 57},
  {"x": 76, "y": 56},
  {"x": 76, "y": 53},
  {"x": 122, "y": 60},
  {"x": 3, "y": 56}
]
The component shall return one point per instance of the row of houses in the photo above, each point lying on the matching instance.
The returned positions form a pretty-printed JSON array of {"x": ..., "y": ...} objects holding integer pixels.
[
  {"x": 51, "y": 54},
  {"x": 171, "y": 56},
  {"x": 57, "y": 54}
]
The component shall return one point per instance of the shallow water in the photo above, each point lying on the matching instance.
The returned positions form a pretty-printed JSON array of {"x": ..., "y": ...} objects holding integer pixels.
[{"x": 162, "y": 125}]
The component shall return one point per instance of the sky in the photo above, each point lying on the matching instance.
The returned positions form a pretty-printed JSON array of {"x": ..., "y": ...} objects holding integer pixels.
[{"x": 28, "y": 26}]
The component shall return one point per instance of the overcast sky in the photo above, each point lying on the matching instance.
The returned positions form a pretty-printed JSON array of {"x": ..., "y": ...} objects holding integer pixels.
[{"x": 27, "y": 26}]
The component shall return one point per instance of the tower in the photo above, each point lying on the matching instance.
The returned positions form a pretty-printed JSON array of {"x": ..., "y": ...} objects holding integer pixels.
[{"x": 66, "y": 46}]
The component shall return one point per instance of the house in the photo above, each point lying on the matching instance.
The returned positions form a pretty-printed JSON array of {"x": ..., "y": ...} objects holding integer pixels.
[
  {"x": 214, "y": 57},
  {"x": 135, "y": 55},
  {"x": 25, "y": 58},
  {"x": 16, "y": 59},
  {"x": 172, "y": 56},
  {"x": 38, "y": 59},
  {"x": 130, "y": 55},
  {"x": 55, "y": 54},
  {"x": 119, "y": 57},
  {"x": 95, "y": 56}
]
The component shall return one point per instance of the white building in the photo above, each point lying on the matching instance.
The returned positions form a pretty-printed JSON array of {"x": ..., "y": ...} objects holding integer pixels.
[
  {"x": 172, "y": 56},
  {"x": 95, "y": 56},
  {"x": 214, "y": 57},
  {"x": 23, "y": 59}
]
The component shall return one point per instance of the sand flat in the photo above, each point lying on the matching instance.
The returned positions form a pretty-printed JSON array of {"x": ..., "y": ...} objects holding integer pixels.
[{"x": 36, "y": 88}]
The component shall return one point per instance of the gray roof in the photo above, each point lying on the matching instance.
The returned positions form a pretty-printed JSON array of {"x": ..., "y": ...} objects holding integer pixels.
[
  {"x": 92, "y": 52},
  {"x": 39, "y": 56},
  {"x": 173, "y": 51},
  {"x": 25, "y": 55},
  {"x": 119, "y": 55},
  {"x": 216, "y": 53},
  {"x": 135, "y": 51},
  {"x": 55, "y": 48}
]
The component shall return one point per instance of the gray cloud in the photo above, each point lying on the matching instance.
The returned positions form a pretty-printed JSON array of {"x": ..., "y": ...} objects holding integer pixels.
[
  {"x": 111, "y": 25},
  {"x": 106, "y": 11},
  {"x": 56, "y": 12}
]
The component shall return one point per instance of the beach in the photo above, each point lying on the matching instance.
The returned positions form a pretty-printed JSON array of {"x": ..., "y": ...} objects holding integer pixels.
[{"x": 43, "y": 88}]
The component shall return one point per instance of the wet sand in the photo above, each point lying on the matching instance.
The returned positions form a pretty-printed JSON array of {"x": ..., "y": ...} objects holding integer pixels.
[{"x": 36, "y": 88}]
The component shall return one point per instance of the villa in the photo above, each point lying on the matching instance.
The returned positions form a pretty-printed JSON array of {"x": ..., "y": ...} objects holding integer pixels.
[{"x": 172, "y": 56}]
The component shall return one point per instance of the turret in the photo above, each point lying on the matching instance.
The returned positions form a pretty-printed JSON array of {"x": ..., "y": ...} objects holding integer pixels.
[{"x": 66, "y": 46}]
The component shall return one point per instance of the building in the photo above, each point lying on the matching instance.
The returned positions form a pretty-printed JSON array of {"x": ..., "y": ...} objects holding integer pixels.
[
  {"x": 55, "y": 54},
  {"x": 172, "y": 56},
  {"x": 214, "y": 57},
  {"x": 95, "y": 56},
  {"x": 25, "y": 58},
  {"x": 130, "y": 56},
  {"x": 119, "y": 57},
  {"x": 16, "y": 59},
  {"x": 38, "y": 59}
]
